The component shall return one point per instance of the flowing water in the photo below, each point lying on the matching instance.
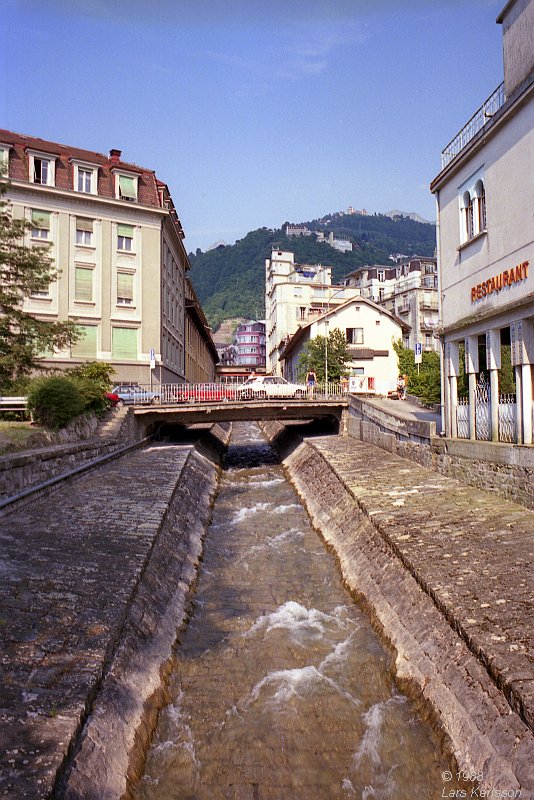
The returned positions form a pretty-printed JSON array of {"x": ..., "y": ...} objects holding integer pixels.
[{"x": 281, "y": 689}]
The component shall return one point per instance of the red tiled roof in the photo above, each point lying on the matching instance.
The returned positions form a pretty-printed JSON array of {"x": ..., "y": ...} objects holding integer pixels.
[{"x": 19, "y": 166}]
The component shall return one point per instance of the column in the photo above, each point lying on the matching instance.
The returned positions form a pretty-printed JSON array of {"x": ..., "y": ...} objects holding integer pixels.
[
  {"x": 526, "y": 380},
  {"x": 493, "y": 364},
  {"x": 452, "y": 361},
  {"x": 471, "y": 368},
  {"x": 519, "y": 404}
]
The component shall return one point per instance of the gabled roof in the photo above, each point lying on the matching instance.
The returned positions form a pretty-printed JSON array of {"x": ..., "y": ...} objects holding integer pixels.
[{"x": 303, "y": 329}]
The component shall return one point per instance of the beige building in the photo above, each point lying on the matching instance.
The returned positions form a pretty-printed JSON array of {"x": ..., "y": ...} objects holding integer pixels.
[
  {"x": 201, "y": 353},
  {"x": 112, "y": 229},
  {"x": 370, "y": 331},
  {"x": 295, "y": 294},
  {"x": 485, "y": 197}
]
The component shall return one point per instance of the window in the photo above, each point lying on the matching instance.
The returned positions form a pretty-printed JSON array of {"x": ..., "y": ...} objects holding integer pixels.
[
  {"x": 83, "y": 284},
  {"x": 84, "y": 231},
  {"x": 124, "y": 343},
  {"x": 480, "y": 194},
  {"x": 381, "y": 275},
  {"x": 42, "y": 168},
  {"x": 125, "y": 283},
  {"x": 86, "y": 344},
  {"x": 126, "y": 187},
  {"x": 125, "y": 237},
  {"x": 40, "y": 224},
  {"x": 354, "y": 335},
  {"x": 85, "y": 180}
]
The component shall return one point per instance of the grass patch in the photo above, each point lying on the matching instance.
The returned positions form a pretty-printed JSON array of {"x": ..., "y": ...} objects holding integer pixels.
[{"x": 16, "y": 436}]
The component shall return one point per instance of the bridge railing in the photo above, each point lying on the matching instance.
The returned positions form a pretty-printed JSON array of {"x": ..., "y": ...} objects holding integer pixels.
[{"x": 182, "y": 393}]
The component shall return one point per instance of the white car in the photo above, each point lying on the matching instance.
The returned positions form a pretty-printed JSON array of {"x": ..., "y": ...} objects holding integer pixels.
[{"x": 265, "y": 386}]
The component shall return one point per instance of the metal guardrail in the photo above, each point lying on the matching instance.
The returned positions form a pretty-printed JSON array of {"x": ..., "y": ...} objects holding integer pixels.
[
  {"x": 13, "y": 403},
  {"x": 479, "y": 119},
  {"x": 184, "y": 393}
]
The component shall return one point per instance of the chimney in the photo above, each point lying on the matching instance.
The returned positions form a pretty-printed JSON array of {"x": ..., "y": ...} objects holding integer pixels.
[{"x": 115, "y": 156}]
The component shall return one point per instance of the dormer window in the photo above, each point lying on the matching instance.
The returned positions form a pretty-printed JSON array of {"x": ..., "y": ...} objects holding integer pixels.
[
  {"x": 42, "y": 168},
  {"x": 85, "y": 177},
  {"x": 126, "y": 186}
]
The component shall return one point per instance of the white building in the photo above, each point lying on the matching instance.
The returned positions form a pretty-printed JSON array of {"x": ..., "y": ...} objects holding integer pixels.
[
  {"x": 370, "y": 331},
  {"x": 408, "y": 290},
  {"x": 294, "y": 295},
  {"x": 485, "y": 196}
]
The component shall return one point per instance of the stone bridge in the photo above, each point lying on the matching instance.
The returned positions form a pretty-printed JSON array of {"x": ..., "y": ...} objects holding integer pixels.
[{"x": 150, "y": 417}]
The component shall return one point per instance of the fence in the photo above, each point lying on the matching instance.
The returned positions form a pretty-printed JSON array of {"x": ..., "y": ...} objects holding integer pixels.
[
  {"x": 507, "y": 416},
  {"x": 277, "y": 388}
]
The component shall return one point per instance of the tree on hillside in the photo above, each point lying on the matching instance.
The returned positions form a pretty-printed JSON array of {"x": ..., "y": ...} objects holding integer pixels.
[
  {"x": 24, "y": 271},
  {"x": 319, "y": 355}
]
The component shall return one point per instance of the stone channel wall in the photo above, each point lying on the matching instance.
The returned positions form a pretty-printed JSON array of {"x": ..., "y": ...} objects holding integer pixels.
[
  {"x": 111, "y": 745},
  {"x": 507, "y": 469},
  {"x": 432, "y": 663}
]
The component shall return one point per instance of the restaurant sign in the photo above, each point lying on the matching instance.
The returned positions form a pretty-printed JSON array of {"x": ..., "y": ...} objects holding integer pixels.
[{"x": 508, "y": 277}]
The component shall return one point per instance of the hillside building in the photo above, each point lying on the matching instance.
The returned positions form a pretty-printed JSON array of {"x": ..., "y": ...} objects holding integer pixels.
[
  {"x": 295, "y": 294},
  {"x": 113, "y": 230},
  {"x": 409, "y": 290},
  {"x": 484, "y": 197},
  {"x": 370, "y": 331}
]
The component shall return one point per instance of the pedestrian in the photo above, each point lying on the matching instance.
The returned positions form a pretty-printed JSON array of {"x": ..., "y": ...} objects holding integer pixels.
[{"x": 311, "y": 380}]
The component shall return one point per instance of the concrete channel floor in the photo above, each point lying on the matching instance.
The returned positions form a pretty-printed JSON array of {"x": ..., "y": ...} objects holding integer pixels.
[{"x": 69, "y": 562}]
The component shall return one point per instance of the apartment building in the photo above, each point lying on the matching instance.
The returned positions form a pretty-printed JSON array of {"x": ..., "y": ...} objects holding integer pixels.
[
  {"x": 112, "y": 229},
  {"x": 250, "y": 345},
  {"x": 409, "y": 290},
  {"x": 485, "y": 196},
  {"x": 295, "y": 294}
]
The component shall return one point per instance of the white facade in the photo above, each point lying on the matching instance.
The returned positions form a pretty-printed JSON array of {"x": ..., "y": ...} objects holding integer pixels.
[
  {"x": 370, "y": 332},
  {"x": 485, "y": 197},
  {"x": 294, "y": 295}
]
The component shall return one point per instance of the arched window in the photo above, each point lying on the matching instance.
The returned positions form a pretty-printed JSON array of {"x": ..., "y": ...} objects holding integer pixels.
[
  {"x": 480, "y": 194},
  {"x": 467, "y": 216}
]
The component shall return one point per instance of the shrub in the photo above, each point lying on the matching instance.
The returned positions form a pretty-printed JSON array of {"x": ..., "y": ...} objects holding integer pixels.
[
  {"x": 55, "y": 401},
  {"x": 93, "y": 380}
]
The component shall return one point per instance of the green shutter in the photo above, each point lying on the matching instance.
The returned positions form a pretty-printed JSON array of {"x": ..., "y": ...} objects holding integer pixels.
[
  {"x": 83, "y": 284},
  {"x": 125, "y": 230},
  {"x": 86, "y": 344},
  {"x": 125, "y": 285},
  {"x": 124, "y": 343},
  {"x": 127, "y": 187},
  {"x": 83, "y": 224},
  {"x": 41, "y": 219}
]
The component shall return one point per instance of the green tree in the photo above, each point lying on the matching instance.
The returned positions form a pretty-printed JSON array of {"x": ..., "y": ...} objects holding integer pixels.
[
  {"x": 424, "y": 382},
  {"x": 23, "y": 271},
  {"x": 318, "y": 352}
]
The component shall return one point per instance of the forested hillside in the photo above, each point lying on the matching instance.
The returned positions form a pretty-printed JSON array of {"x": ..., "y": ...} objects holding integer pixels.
[{"x": 229, "y": 280}]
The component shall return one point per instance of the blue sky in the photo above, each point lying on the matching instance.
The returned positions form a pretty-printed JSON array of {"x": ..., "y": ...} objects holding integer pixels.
[{"x": 255, "y": 113}]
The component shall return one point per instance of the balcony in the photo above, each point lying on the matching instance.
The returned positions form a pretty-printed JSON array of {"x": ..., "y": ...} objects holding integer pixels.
[
  {"x": 479, "y": 119},
  {"x": 404, "y": 309}
]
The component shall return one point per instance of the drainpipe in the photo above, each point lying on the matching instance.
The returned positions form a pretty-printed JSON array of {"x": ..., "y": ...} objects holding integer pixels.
[{"x": 440, "y": 319}]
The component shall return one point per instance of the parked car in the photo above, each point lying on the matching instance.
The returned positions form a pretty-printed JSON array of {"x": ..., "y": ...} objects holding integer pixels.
[
  {"x": 113, "y": 398},
  {"x": 269, "y": 386},
  {"x": 138, "y": 395},
  {"x": 199, "y": 392}
]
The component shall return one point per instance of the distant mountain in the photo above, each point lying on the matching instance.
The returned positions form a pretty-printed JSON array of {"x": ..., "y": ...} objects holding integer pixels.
[
  {"x": 230, "y": 280},
  {"x": 409, "y": 214}
]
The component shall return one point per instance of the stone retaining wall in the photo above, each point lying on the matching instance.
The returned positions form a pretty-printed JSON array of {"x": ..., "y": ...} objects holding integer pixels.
[
  {"x": 19, "y": 471},
  {"x": 507, "y": 469},
  {"x": 431, "y": 661},
  {"x": 110, "y": 748}
]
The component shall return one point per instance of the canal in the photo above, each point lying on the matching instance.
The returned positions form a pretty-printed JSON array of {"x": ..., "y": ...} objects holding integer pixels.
[{"x": 280, "y": 687}]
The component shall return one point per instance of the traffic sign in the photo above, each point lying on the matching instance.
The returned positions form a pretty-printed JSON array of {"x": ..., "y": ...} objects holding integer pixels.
[{"x": 418, "y": 352}]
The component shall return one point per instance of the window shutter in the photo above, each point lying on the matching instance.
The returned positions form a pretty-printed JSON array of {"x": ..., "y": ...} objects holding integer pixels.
[
  {"x": 125, "y": 285},
  {"x": 127, "y": 187},
  {"x": 41, "y": 219},
  {"x": 124, "y": 343},
  {"x": 83, "y": 224},
  {"x": 86, "y": 344},
  {"x": 83, "y": 284},
  {"x": 125, "y": 230}
]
